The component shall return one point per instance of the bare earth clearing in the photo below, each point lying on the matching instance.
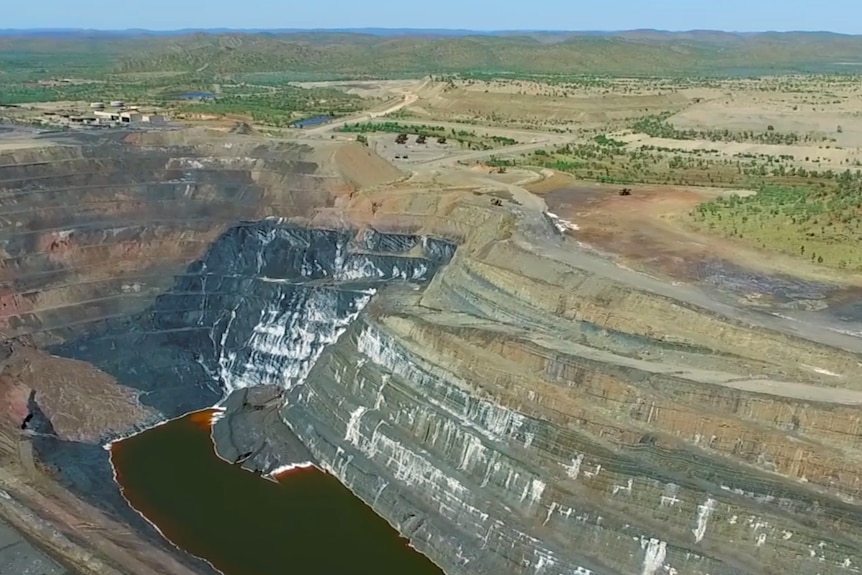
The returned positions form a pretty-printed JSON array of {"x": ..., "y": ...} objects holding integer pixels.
[{"x": 648, "y": 231}]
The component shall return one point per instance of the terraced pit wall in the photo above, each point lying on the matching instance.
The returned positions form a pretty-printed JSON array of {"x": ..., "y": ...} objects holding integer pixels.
[
  {"x": 529, "y": 455},
  {"x": 507, "y": 411},
  {"x": 95, "y": 226},
  {"x": 568, "y": 423}
]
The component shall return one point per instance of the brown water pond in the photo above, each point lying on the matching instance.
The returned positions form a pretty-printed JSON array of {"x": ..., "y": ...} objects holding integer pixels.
[{"x": 244, "y": 524}]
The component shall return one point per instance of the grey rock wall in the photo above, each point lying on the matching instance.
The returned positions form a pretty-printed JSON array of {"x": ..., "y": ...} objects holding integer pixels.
[{"x": 494, "y": 427}]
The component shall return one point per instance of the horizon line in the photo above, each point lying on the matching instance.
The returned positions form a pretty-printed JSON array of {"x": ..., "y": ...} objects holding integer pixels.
[{"x": 413, "y": 29}]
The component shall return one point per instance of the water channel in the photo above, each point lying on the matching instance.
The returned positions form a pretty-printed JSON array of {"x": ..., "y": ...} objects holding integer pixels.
[{"x": 306, "y": 523}]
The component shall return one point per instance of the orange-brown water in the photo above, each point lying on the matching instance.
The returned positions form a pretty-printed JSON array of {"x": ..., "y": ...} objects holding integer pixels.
[{"x": 306, "y": 523}]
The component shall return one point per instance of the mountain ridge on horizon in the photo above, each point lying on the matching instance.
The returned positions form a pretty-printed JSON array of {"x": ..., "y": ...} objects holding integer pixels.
[
  {"x": 385, "y": 31},
  {"x": 384, "y": 52}
]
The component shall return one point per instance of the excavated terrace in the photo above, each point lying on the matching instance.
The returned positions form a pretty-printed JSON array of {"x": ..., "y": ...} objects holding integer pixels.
[{"x": 517, "y": 405}]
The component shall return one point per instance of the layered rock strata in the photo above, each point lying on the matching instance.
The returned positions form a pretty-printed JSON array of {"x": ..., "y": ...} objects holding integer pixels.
[
  {"x": 519, "y": 406},
  {"x": 521, "y": 414},
  {"x": 528, "y": 415},
  {"x": 94, "y": 227}
]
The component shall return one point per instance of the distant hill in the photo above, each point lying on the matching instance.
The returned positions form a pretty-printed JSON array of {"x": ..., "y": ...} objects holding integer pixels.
[{"x": 385, "y": 52}]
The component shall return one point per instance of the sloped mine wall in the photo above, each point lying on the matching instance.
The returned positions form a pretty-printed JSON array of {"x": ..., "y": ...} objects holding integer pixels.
[
  {"x": 549, "y": 480},
  {"x": 254, "y": 313},
  {"x": 516, "y": 407},
  {"x": 93, "y": 227},
  {"x": 570, "y": 423}
]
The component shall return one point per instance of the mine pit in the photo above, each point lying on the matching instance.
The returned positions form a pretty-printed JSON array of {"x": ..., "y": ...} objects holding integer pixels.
[{"x": 525, "y": 405}]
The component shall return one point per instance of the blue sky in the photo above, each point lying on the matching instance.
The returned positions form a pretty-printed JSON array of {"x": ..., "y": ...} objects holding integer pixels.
[{"x": 739, "y": 15}]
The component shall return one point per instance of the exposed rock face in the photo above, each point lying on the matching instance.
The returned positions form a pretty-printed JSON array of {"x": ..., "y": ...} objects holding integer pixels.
[
  {"x": 96, "y": 225},
  {"x": 527, "y": 416},
  {"x": 558, "y": 445},
  {"x": 257, "y": 310},
  {"x": 520, "y": 406}
]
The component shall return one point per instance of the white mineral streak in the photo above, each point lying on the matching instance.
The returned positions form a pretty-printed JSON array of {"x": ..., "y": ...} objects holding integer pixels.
[
  {"x": 537, "y": 488},
  {"x": 574, "y": 469},
  {"x": 359, "y": 267},
  {"x": 551, "y": 509},
  {"x": 627, "y": 488},
  {"x": 288, "y": 339},
  {"x": 464, "y": 415},
  {"x": 380, "y": 399},
  {"x": 491, "y": 420},
  {"x": 289, "y": 467},
  {"x": 669, "y": 495},
  {"x": 473, "y": 450},
  {"x": 561, "y": 224},
  {"x": 656, "y": 551},
  {"x": 294, "y": 329},
  {"x": 352, "y": 433},
  {"x": 213, "y": 162},
  {"x": 413, "y": 469},
  {"x": 472, "y": 425},
  {"x": 703, "y": 513}
]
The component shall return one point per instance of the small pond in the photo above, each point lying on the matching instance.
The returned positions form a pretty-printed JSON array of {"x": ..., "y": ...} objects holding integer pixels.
[{"x": 306, "y": 523}]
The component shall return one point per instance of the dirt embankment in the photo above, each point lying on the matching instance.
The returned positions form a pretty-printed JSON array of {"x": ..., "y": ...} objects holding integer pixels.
[
  {"x": 648, "y": 230},
  {"x": 82, "y": 403},
  {"x": 362, "y": 168}
]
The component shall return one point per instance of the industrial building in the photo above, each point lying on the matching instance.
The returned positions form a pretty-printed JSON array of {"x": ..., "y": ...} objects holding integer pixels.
[
  {"x": 118, "y": 118},
  {"x": 127, "y": 117},
  {"x": 111, "y": 117},
  {"x": 155, "y": 119}
]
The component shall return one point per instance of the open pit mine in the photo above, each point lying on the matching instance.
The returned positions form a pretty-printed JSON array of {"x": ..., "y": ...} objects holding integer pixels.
[{"x": 509, "y": 400}]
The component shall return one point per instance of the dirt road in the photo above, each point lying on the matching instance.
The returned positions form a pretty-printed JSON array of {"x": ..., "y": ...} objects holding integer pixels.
[
  {"x": 408, "y": 98},
  {"x": 529, "y": 140},
  {"x": 522, "y": 135}
]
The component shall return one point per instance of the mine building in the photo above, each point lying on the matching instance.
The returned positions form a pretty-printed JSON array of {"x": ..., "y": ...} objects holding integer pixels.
[
  {"x": 154, "y": 119},
  {"x": 129, "y": 117},
  {"x": 84, "y": 120}
]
